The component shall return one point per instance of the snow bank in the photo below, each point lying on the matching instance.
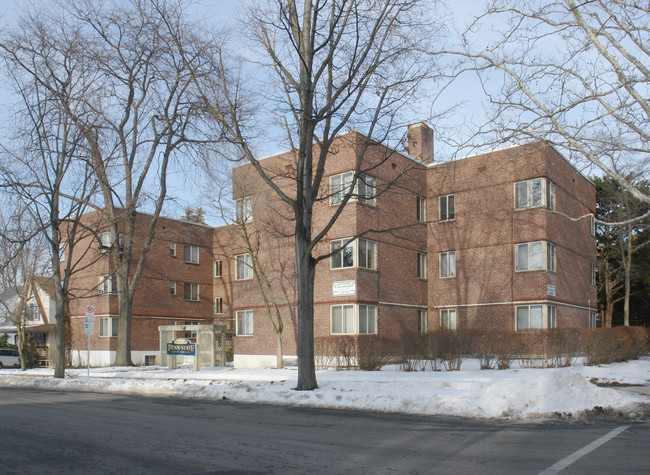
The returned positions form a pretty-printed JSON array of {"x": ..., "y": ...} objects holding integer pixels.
[{"x": 512, "y": 394}]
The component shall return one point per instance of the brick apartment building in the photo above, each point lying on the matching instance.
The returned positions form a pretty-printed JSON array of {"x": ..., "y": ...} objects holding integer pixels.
[
  {"x": 175, "y": 287},
  {"x": 497, "y": 241}
]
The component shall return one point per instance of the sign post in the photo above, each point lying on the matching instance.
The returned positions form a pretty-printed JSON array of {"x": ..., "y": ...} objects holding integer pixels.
[{"x": 90, "y": 329}]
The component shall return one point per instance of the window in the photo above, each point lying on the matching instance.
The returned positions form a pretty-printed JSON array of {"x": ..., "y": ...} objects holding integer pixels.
[
  {"x": 244, "y": 209},
  {"x": 594, "y": 320},
  {"x": 217, "y": 268},
  {"x": 592, "y": 273},
  {"x": 422, "y": 265},
  {"x": 366, "y": 189},
  {"x": 172, "y": 288},
  {"x": 105, "y": 241},
  {"x": 538, "y": 255},
  {"x": 535, "y": 193},
  {"x": 448, "y": 264},
  {"x": 218, "y": 305},
  {"x": 447, "y": 207},
  {"x": 421, "y": 210},
  {"x": 422, "y": 321},
  {"x": 353, "y": 319},
  {"x": 550, "y": 256},
  {"x": 592, "y": 224},
  {"x": 61, "y": 252},
  {"x": 33, "y": 313},
  {"x": 107, "y": 326},
  {"x": 340, "y": 186},
  {"x": 244, "y": 323},
  {"x": 448, "y": 318},
  {"x": 172, "y": 249},
  {"x": 107, "y": 284},
  {"x": 191, "y": 254},
  {"x": 191, "y": 292},
  {"x": 244, "y": 267},
  {"x": 357, "y": 253},
  {"x": 190, "y": 333},
  {"x": 536, "y": 317}
]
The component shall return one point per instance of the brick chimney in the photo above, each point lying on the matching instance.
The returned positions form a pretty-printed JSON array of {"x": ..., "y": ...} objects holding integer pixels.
[{"x": 420, "y": 142}]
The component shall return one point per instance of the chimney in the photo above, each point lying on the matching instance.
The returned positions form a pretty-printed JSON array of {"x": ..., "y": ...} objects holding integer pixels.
[{"x": 420, "y": 142}]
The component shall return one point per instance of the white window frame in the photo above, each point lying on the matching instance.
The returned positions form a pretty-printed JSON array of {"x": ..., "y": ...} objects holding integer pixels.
[
  {"x": 422, "y": 320},
  {"x": 194, "y": 293},
  {"x": 447, "y": 208},
  {"x": 172, "y": 249},
  {"x": 527, "y": 190},
  {"x": 548, "y": 316},
  {"x": 191, "y": 254},
  {"x": 172, "y": 287},
  {"x": 547, "y": 259},
  {"x": 592, "y": 225},
  {"x": 243, "y": 267},
  {"x": 357, "y": 312},
  {"x": 448, "y": 319},
  {"x": 218, "y": 268},
  {"x": 62, "y": 252},
  {"x": 218, "y": 306},
  {"x": 421, "y": 209},
  {"x": 33, "y": 312},
  {"x": 364, "y": 189},
  {"x": 363, "y": 250},
  {"x": 593, "y": 319},
  {"x": 107, "y": 284},
  {"x": 104, "y": 241},
  {"x": 447, "y": 257},
  {"x": 244, "y": 323},
  {"x": 422, "y": 265},
  {"x": 107, "y": 327},
  {"x": 244, "y": 209}
]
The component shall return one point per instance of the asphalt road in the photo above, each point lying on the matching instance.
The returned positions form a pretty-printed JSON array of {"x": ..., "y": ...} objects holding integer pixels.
[{"x": 71, "y": 432}]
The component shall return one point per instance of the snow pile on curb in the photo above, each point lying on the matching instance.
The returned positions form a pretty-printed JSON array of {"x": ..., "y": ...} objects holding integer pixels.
[{"x": 511, "y": 394}]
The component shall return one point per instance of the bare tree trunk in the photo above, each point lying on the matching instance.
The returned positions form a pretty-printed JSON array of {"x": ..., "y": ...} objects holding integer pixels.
[
  {"x": 123, "y": 355},
  {"x": 628, "y": 271},
  {"x": 278, "y": 350},
  {"x": 306, "y": 271}
]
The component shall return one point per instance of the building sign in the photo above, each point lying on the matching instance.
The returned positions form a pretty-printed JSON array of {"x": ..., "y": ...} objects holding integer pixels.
[
  {"x": 344, "y": 287},
  {"x": 181, "y": 346},
  {"x": 550, "y": 290}
]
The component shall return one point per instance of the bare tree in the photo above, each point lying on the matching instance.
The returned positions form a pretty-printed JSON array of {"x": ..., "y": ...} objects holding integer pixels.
[
  {"x": 46, "y": 166},
  {"x": 321, "y": 67},
  {"x": 22, "y": 256},
  {"x": 572, "y": 73},
  {"x": 135, "y": 114}
]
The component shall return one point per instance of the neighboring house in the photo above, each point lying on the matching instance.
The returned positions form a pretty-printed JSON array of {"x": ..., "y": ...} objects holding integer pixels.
[
  {"x": 37, "y": 315},
  {"x": 498, "y": 241},
  {"x": 9, "y": 301}
]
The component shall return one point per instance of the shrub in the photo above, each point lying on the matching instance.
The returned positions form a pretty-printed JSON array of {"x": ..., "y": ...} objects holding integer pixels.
[
  {"x": 496, "y": 350},
  {"x": 4, "y": 342},
  {"x": 609, "y": 345},
  {"x": 366, "y": 352},
  {"x": 30, "y": 354}
]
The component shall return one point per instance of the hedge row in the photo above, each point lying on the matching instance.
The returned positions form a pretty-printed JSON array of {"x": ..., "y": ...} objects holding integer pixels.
[{"x": 495, "y": 350}]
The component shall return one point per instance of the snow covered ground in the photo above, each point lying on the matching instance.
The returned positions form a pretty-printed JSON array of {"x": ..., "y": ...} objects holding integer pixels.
[{"x": 518, "y": 393}]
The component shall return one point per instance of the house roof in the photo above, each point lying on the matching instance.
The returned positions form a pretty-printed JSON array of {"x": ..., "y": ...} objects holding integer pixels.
[{"x": 45, "y": 283}]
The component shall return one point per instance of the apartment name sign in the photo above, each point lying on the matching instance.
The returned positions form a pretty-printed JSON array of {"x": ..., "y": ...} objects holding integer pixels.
[{"x": 344, "y": 287}]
